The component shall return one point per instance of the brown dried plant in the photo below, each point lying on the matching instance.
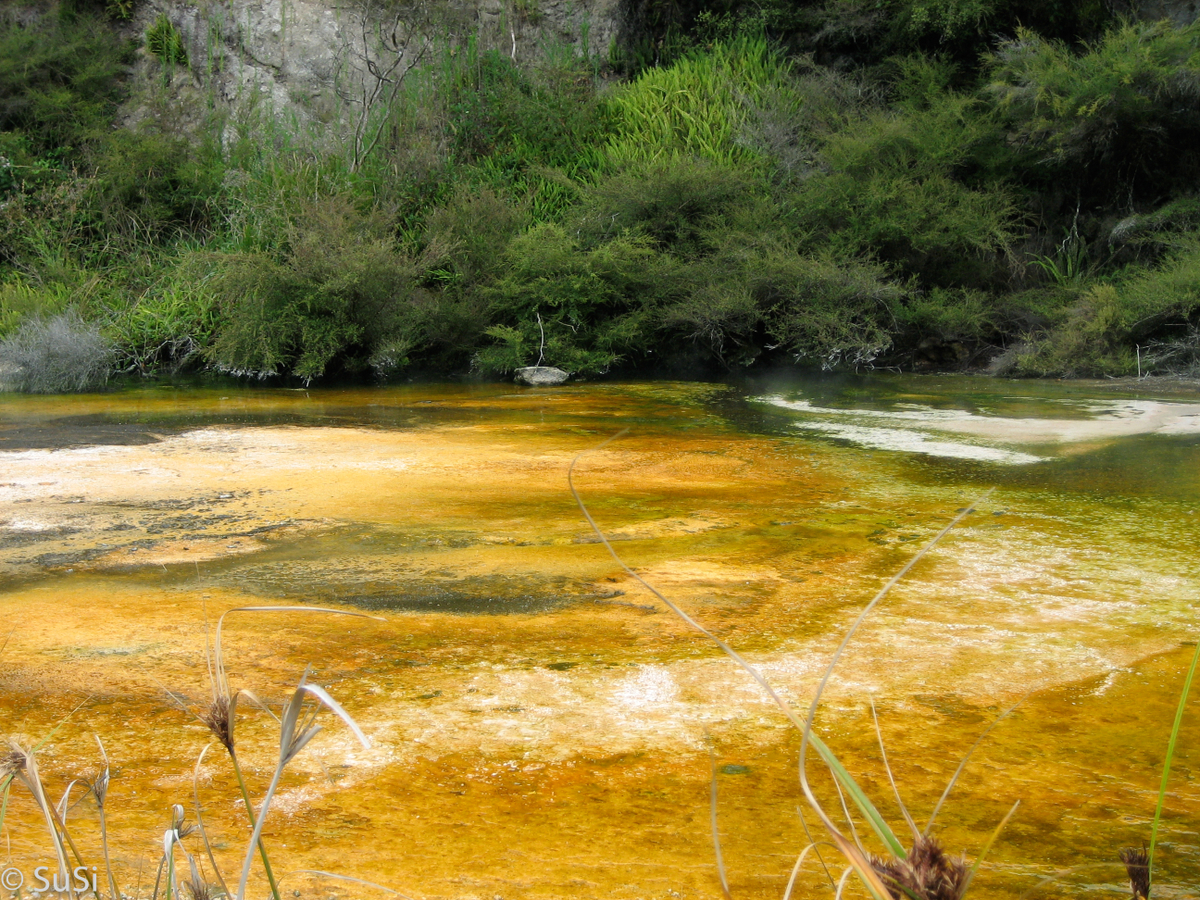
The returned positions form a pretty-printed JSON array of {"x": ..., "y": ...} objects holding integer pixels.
[{"x": 1137, "y": 866}]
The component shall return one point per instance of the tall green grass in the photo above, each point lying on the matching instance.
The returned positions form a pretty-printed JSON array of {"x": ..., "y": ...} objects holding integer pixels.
[{"x": 700, "y": 107}]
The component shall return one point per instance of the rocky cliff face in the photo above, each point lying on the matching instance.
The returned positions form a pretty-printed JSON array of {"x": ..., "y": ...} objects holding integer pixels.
[
  {"x": 1181, "y": 12},
  {"x": 312, "y": 59}
]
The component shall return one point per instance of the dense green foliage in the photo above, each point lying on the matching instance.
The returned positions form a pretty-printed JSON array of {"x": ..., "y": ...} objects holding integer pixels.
[{"x": 769, "y": 182}]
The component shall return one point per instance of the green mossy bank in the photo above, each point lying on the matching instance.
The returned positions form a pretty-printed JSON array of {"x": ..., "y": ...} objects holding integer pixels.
[{"x": 924, "y": 184}]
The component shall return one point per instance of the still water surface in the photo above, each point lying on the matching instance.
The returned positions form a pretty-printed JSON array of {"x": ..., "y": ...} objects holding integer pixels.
[{"x": 539, "y": 725}]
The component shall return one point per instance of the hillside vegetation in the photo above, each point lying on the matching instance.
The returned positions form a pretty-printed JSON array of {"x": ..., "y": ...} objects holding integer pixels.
[{"x": 914, "y": 183}]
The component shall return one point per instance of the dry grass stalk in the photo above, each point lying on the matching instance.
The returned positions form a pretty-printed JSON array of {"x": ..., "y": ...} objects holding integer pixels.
[
  {"x": 297, "y": 727},
  {"x": 21, "y": 765},
  {"x": 220, "y": 716}
]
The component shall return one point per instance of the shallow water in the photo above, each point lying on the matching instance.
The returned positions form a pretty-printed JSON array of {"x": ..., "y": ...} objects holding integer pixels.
[{"x": 540, "y": 725}]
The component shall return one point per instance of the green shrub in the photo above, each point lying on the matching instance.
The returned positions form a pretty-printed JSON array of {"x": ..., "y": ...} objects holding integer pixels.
[
  {"x": 119, "y": 9},
  {"x": 1158, "y": 230},
  {"x": 946, "y": 316},
  {"x": 153, "y": 185},
  {"x": 1092, "y": 340},
  {"x": 1101, "y": 331},
  {"x": 55, "y": 355},
  {"x": 721, "y": 318},
  {"x": 867, "y": 32},
  {"x": 583, "y": 311},
  {"x": 907, "y": 186},
  {"x": 336, "y": 294},
  {"x": 60, "y": 80},
  {"x": 790, "y": 122},
  {"x": 21, "y": 300},
  {"x": 1115, "y": 118},
  {"x": 1166, "y": 293},
  {"x": 673, "y": 202},
  {"x": 825, "y": 309},
  {"x": 473, "y": 230},
  {"x": 170, "y": 325},
  {"x": 509, "y": 125}
]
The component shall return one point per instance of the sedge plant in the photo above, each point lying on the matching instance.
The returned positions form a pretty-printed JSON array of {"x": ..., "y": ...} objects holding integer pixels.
[
  {"x": 221, "y": 716},
  {"x": 19, "y": 766}
]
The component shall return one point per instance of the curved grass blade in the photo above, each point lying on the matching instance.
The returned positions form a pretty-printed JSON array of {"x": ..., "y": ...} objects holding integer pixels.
[
  {"x": 100, "y": 792},
  {"x": 987, "y": 847},
  {"x": 716, "y": 835},
  {"x": 200, "y": 821},
  {"x": 295, "y": 731},
  {"x": 881, "y": 828},
  {"x": 963, "y": 764},
  {"x": 787, "y": 893},
  {"x": 1162, "y": 787},
  {"x": 854, "y": 854},
  {"x": 382, "y": 887},
  {"x": 908, "y": 819}
]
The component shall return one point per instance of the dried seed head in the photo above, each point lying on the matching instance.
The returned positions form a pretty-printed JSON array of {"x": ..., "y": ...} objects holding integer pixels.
[
  {"x": 196, "y": 889},
  {"x": 927, "y": 874},
  {"x": 12, "y": 763},
  {"x": 179, "y": 826},
  {"x": 99, "y": 786},
  {"x": 218, "y": 718},
  {"x": 1137, "y": 864}
]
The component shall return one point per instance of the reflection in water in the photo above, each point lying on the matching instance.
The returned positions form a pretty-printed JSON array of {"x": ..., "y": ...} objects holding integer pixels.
[{"x": 540, "y": 727}]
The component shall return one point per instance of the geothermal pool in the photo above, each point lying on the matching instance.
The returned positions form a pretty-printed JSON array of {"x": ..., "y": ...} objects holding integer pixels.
[{"x": 541, "y": 726}]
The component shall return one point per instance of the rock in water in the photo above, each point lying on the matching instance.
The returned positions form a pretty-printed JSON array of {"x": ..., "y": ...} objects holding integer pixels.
[{"x": 540, "y": 375}]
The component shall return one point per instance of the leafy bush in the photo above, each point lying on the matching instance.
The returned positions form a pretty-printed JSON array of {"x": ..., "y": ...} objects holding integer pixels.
[
  {"x": 907, "y": 186},
  {"x": 1160, "y": 228},
  {"x": 473, "y": 228},
  {"x": 149, "y": 184},
  {"x": 510, "y": 125},
  {"x": 171, "y": 324},
  {"x": 336, "y": 293},
  {"x": 1167, "y": 293},
  {"x": 946, "y": 327},
  {"x": 582, "y": 311},
  {"x": 1112, "y": 119},
  {"x": 1100, "y": 333},
  {"x": 672, "y": 202},
  {"x": 56, "y": 355},
  {"x": 59, "y": 79},
  {"x": 789, "y": 123},
  {"x": 867, "y": 32},
  {"x": 20, "y": 300},
  {"x": 825, "y": 309},
  {"x": 1092, "y": 340}
]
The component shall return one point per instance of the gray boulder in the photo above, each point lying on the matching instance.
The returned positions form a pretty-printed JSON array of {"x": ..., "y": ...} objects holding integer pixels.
[{"x": 540, "y": 375}]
